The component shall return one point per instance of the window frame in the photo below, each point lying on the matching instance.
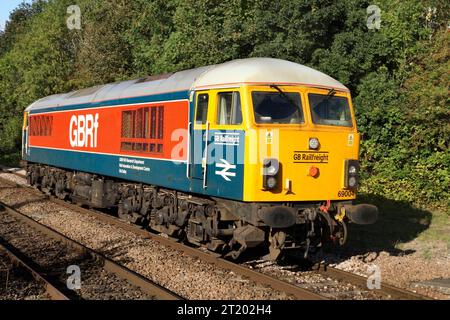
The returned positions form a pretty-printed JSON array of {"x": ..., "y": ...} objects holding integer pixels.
[
  {"x": 198, "y": 94},
  {"x": 340, "y": 94},
  {"x": 286, "y": 89},
  {"x": 217, "y": 111}
]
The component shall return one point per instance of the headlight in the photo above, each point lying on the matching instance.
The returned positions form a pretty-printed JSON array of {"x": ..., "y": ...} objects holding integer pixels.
[
  {"x": 271, "y": 182},
  {"x": 351, "y": 174},
  {"x": 271, "y": 168},
  {"x": 313, "y": 143},
  {"x": 352, "y": 182}
]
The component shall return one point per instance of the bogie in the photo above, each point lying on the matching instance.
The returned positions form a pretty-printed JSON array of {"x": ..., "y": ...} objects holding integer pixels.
[{"x": 213, "y": 223}]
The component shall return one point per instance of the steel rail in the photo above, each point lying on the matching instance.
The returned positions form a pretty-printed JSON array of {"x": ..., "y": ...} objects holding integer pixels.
[
  {"x": 297, "y": 292},
  {"x": 147, "y": 286},
  {"x": 360, "y": 281},
  {"x": 17, "y": 257},
  {"x": 12, "y": 171}
]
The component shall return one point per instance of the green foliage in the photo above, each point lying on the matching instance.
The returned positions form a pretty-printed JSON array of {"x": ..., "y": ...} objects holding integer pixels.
[
  {"x": 17, "y": 24},
  {"x": 11, "y": 140},
  {"x": 151, "y": 26},
  {"x": 103, "y": 54},
  {"x": 407, "y": 128},
  {"x": 398, "y": 74}
]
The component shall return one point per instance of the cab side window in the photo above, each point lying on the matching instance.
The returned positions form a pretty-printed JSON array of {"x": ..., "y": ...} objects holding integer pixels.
[
  {"x": 202, "y": 108},
  {"x": 229, "y": 108}
]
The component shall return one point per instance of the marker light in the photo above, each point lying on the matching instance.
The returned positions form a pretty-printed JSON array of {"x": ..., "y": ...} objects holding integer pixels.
[
  {"x": 271, "y": 170},
  {"x": 313, "y": 143},
  {"x": 352, "y": 182},
  {"x": 313, "y": 172},
  {"x": 271, "y": 182}
]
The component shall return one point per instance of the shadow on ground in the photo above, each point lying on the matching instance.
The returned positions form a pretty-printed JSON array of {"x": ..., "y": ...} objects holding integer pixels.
[
  {"x": 115, "y": 249},
  {"x": 398, "y": 222}
]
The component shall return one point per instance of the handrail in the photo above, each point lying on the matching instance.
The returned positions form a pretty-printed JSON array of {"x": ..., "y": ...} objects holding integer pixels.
[
  {"x": 188, "y": 162},
  {"x": 205, "y": 156}
]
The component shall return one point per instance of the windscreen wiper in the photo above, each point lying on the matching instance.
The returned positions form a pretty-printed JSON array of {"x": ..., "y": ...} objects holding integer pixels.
[
  {"x": 331, "y": 93},
  {"x": 284, "y": 95}
]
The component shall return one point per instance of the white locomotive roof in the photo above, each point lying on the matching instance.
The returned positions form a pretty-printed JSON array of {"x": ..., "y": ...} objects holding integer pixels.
[
  {"x": 228, "y": 74},
  {"x": 264, "y": 70}
]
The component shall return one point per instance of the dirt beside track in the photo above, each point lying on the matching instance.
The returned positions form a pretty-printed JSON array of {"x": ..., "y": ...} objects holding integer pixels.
[{"x": 405, "y": 271}]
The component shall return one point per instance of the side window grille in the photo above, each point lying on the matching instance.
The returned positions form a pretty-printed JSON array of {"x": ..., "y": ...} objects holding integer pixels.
[
  {"x": 143, "y": 130},
  {"x": 41, "y": 126}
]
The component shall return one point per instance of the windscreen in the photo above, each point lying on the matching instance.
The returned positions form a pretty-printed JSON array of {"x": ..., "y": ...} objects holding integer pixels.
[
  {"x": 330, "y": 110},
  {"x": 277, "y": 107}
]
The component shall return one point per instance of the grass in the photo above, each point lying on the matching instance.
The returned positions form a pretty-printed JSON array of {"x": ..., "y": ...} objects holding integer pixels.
[
  {"x": 439, "y": 229},
  {"x": 402, "y": 228},
  {"x": 436, "y": 238}
]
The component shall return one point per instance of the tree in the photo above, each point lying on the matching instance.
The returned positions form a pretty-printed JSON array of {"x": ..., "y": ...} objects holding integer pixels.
[
  {"x": 103, "y": 54},
  {"x": 17, "y": 23}
]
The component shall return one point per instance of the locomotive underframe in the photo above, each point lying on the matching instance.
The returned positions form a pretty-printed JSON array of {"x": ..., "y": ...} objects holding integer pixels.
[{"x": 221, "y": 225}]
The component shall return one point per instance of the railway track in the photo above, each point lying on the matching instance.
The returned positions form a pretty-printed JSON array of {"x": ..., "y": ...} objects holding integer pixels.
[
  {"x": 42, "y": 278},
  {"x": 91, "y": 260},
  {"x": 332, "y": 282},
  {"x": 385, "y": 292}
]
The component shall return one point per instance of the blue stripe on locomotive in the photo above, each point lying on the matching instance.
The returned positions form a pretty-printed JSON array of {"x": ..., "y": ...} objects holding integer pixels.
[{"x": 164, "y": 173}]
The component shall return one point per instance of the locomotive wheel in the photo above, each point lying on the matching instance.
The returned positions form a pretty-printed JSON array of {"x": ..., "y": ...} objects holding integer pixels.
[
  {"x": 123, "y": 215},
  {"x": 277, "y": 240},
  {"x": 341, "y": 233},
  {"x": 59, "y": 190},
  {"x": 130, "y": 217}
]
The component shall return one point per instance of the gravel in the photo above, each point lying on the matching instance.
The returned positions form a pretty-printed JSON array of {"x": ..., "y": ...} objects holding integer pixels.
[
  {"x": 403, "y": 271},
  {"x": 188, "y": 276},
  {"x": 17, "y": 283},
  {"x": 54, "y": 258},
  {"x": 331, "y": 288},
  {"x": 195, "y": 279},
  {"x": 14, "y": 178}
]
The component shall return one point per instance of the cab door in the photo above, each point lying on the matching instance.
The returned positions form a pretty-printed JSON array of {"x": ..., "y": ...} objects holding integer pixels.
[
  {"x": 199, "y": 134},
  {"x": 217, "y": 139},
  {"x": 227, "y": 145}
]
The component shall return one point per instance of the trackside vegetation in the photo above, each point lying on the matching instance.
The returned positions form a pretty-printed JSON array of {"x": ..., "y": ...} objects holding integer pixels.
[{"x": 398, "y": 73}]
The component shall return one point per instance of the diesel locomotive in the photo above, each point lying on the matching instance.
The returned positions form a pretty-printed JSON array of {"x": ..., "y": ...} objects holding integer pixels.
[{"x": 255, "y": 152}]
